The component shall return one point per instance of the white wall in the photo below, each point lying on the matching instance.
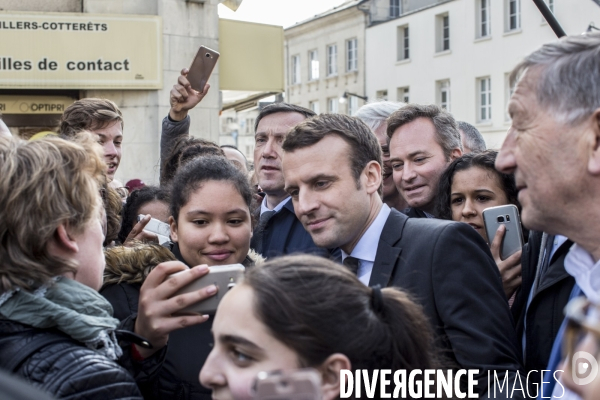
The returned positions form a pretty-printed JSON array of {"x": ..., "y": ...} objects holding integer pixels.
[
  {"x": 186, "y": 26},
  {"x": 318, "y": 34},
  {"x": 469, "y": 58}
]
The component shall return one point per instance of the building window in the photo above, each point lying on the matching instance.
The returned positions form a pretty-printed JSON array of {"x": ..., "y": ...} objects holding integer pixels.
[
  {"x": 442, "y": 32},
  {"x": 403, "y": 94},
  {"x": 485, "y": 99},
  {"x": 332, "y": 60},
  {"x": 394, "y": 8},
  {"x": 333, "y": 105},
  {"x": 295, "y": 69},
  {"x": 351, "y": 55},
  {"x": 483, "y": 18},
  {"x": 314, "y": 105},
  {"x": 403, "y": 43},
  {"x": 249, "y": 128},
  {"x": 313, "y": 65},
  {"x": 512, "y": 15},
  {"x": 352, "y": 105},
  {"x": 443, "y": 94},
  {"x": 381, "y": 95}
]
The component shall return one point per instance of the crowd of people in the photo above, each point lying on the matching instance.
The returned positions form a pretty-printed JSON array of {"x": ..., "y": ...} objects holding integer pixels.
[{"x": 362, "y": 237}]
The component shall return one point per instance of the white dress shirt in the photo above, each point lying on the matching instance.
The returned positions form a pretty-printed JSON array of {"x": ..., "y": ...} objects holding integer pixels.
[
  {"x": 278, "y": 207},
  {"x": 366, "y": 248},
  {"x": 580, "y": 264}
]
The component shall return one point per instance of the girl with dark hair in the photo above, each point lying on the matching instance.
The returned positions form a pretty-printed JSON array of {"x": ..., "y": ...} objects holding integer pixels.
[
  {"x": 210, "y": 224},
  {"x": 308, "y": 312},
  {"x": 149, "y": 200},
  {"x": 471, "y": 184}
]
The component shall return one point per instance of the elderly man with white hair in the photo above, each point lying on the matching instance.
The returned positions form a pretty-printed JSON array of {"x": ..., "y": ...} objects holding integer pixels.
[
  {"x": 553, "y": 148},
  {"x": 374, "y": 115}
]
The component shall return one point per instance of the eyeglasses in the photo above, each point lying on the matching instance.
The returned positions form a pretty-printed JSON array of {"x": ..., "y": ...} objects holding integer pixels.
[{"x": 583, "y": 317}]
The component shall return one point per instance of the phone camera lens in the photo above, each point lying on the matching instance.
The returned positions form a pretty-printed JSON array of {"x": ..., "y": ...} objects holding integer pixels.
[
  {"x": 500, "y": 218},
  {"x": 208, "y": 55}
]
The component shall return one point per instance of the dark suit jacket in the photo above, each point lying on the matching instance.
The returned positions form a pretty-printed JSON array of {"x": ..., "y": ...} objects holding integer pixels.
[
  {"x": 545, "y": 314},
  {"x": 447, "y": 267},
  {"x": 414, "y": 212},
  {"x": 284, "y": 234}
]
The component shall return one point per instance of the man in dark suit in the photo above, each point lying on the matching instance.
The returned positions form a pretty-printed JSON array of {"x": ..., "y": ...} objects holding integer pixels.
[
  {"x": 539, "y": 305},
  {"x": 278, "y": 231},
  {"x": 423, "y": 141},
  {"x": 332, "y": 168}
]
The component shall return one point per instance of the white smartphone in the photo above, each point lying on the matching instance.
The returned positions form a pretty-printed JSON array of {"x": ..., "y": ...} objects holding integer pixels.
[
  {"x": 159, "y": 228},
  {"x": 224, "y": 277},
  {"x": 301, "y": 384},
  {"x": 508, "y": 216}
]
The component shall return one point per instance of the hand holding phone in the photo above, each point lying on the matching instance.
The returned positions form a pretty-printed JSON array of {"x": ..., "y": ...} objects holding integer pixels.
[
  {"x": 510, "y": 268},
  {"x": 139, "y": 234},
  {"x": 159, "y": 304},
  {"x": 223, "y": 277},
  {"x": 507, "y": 215},
  {"x": 183, "y": 97},
  {"x": 150, "y": 229}
]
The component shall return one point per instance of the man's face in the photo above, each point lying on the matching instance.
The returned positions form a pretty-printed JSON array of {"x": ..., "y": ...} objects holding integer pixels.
[
  {"x": 270, "y": 133},
  {"x": 389, "y": 188},
  {"x": 548, "y": 159},
  {"x": 418, "y": 161},
  {"x": 325, "y": 194},
  {"x": 110, "y": 138}
]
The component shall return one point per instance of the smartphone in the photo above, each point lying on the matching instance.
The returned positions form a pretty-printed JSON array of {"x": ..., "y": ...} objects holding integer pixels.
[
  {"x": 159, "y": 228},
  {"x": 302, "y": 384},
  {"x": 508, "y": 216},
  {"x": 202, "y": 67},
  {"x": 223, "y": 276}
]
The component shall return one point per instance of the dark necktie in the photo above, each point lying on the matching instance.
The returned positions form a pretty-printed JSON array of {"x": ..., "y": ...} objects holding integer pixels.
[
  {"x": 257, "y": 239},
  {"x": 352, "y": 264}
]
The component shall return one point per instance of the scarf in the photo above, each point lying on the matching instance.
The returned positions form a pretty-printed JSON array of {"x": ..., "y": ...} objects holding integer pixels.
[{"x": 69, "y": 306}]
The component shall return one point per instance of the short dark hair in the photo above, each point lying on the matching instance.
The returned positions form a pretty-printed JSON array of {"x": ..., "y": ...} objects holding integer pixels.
[
  {"x": 447, "y": 135},
  {"x": 485, "y": 160},
  {"x": 210, "y": 168},
  {"x": 135, "y": 201},
  {"x": 87, "y": 114},
  {"x": 473, "y": 137},
  {"x": 282, "y": 108},
  {"x": 339, "y": 315},
  {"x": 364, "y": 146},
  {"x": 184, "y": 149}
]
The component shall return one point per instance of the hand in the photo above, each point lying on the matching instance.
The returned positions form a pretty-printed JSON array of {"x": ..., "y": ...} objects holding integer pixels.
[
  {"x": 510, "y": 269},
  {"x": 157, "y": 310},
  {"x": 183, "y": 98},
  {"x": 139, "y": 234}
]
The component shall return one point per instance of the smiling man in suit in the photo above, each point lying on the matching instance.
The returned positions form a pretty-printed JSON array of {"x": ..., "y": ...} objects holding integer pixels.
[{"x": 332, "y": 168}]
